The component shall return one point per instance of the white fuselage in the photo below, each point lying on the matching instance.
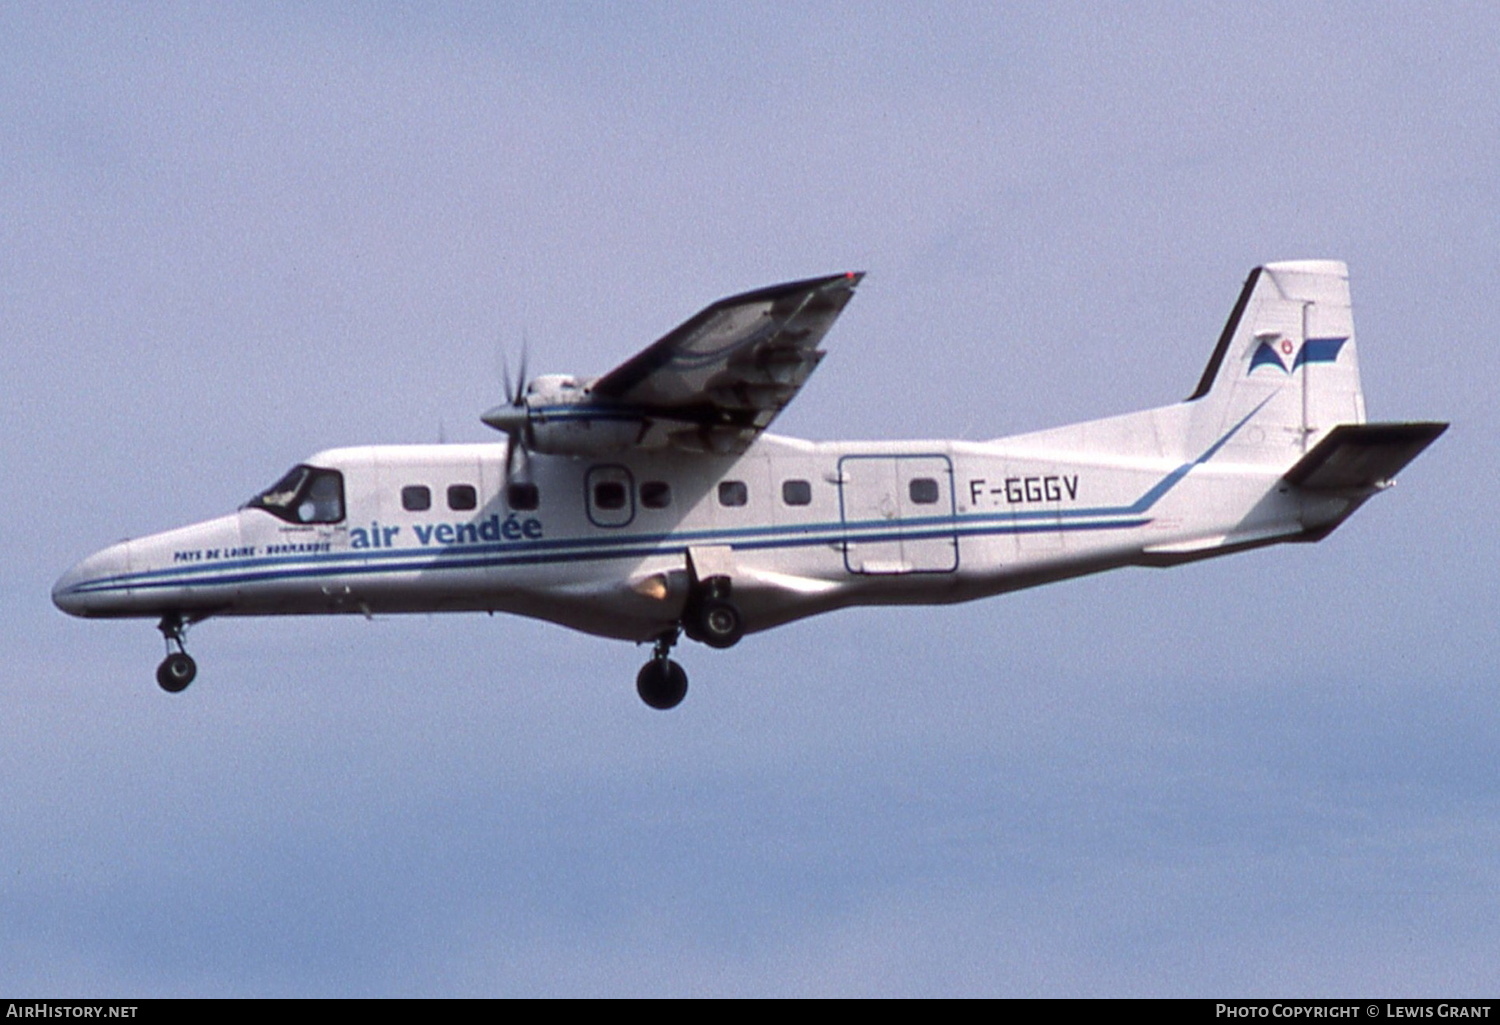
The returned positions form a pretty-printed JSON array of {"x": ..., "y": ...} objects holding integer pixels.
[{"x": 799, "y": 527}]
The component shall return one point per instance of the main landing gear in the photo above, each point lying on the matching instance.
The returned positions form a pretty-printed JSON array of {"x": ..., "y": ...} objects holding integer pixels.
[
  {"x": 178, "y": 669},
  {"x": 709, "y": 617},
  {"x": 662, "y": 683}
]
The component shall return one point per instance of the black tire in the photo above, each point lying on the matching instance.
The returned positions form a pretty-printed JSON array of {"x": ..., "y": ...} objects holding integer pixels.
[
  {"x": 719, "y": 623},
  {"x": 176, "y": 671},
  {"x": 661, "y": 683}
]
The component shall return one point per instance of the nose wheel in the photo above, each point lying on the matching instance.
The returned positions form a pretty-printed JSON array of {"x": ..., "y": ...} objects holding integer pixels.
[{"x": 178, "y": 669}]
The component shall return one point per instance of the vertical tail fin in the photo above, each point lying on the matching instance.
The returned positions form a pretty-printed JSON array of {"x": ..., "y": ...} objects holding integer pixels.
[{"x": 1285, "y": 365}]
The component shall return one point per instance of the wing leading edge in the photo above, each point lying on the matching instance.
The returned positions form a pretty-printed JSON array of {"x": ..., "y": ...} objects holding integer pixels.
[{"x": 717, "y": 380}]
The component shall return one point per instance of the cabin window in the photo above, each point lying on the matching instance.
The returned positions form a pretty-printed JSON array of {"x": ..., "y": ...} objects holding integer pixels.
[
  {"x": 416, "y": 498},
  {"x": 796, "y": 492},
  {"x": 733, "y": 492},
  {"x": 462, "y": 497},
  {"x": 923, "y": 490},
  {"x": 305, "y": 495},
  {"x": 522, "y": 496},
  {"x": 656, "y": 494},
  {"x": 610, "y": 494}
]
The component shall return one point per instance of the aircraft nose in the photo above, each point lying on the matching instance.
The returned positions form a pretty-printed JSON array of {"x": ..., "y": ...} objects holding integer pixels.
[{"x": 82, "y": 589}]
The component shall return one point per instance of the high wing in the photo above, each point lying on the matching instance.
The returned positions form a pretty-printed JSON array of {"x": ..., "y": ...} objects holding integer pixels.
[{"x": 719, "y": 379}]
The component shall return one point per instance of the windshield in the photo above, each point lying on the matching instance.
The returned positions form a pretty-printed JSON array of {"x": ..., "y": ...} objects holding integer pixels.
[{"x": 305, "y": 495}]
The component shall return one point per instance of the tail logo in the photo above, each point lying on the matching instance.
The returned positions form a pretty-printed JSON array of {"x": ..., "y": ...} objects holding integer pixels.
[{"x": 1273, "y": 352}]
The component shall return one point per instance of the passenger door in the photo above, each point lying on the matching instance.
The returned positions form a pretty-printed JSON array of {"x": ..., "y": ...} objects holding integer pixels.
[{"x": 897, "y": 514}]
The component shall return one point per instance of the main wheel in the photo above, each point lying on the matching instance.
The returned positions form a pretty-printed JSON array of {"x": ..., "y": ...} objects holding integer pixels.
[
  {"x": 661, "y": 683},
  {"x": 176, "y": 672},
  {"x": 720, "y": 624}
]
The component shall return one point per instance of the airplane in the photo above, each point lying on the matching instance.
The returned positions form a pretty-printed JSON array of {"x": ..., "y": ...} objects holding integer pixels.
[{"x": 651, "y": 502}]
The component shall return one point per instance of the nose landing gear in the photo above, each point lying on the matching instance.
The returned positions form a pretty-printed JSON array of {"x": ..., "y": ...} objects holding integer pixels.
[{"x": 178, "y": 669}]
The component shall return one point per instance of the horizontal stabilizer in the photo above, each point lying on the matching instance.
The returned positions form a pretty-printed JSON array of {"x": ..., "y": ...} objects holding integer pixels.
[{"x": 1362, "y": 456}]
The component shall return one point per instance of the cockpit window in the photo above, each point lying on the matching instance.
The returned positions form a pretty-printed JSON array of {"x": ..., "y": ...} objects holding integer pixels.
[{"x": 305, "y": 495}]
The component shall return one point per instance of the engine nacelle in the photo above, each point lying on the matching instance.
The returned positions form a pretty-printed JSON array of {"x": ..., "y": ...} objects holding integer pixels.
[
  {"x": 557, "y": 416},
  {"x": 555, "y": 389},
  {"x": 562, "y": 420},
  {"x": 583, "y": 431}
]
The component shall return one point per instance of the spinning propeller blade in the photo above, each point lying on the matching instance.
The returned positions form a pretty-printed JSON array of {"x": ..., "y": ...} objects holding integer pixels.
[{"x": 511, "y": 417}]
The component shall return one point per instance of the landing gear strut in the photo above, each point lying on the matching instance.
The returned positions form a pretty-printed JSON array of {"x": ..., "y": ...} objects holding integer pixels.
[
  {"x": 662, "y": 683},
  {"x": 178, "y": 668},
  {"x": 710, "y": 617}
]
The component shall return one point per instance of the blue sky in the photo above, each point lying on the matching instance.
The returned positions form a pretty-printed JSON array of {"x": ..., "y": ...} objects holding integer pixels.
[{"x": 233, "y": 235}]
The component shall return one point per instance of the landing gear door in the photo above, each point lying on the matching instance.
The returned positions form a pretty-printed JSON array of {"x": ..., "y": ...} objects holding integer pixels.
[{"x": 898, "y": 514}]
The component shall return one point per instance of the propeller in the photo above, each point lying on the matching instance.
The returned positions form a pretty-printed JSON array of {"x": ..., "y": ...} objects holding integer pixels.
[{"x": 512, "y": 417}]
